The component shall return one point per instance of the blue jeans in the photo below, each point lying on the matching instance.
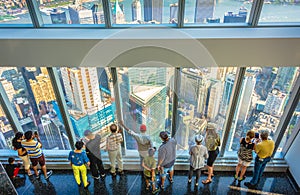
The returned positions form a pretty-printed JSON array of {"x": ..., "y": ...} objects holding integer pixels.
[{"x": 259, "y": 168}]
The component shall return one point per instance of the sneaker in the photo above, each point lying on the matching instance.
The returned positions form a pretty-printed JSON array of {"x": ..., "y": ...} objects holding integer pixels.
[
  {"x": 87, "y": 186},
  {"x": 162, "y": 187},
  {"x": 98, "y": 177},
  {"x": 249, "y": 185},
  {"x": 236, "y": 177},
  {"x": 103, "y": 176},
  {"x": 113, "y": 174},
  {"x": 171, "y": 180},
  {"x": 49, "y": 173},
  {"x": 37, "y": 176},
  {"x": 155, "y": 191},
  {"x": 121, "y": 172},
  {"x": 39, "y": 172},
  {"x": 242, "y": 179},
  {"x": 196, "y": 184},
  {"x": 189, "y": 181}
]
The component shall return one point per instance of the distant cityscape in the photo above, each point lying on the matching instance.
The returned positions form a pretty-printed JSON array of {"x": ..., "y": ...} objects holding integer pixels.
[
  {"x": 146, "y": 98},
  {"x": 136, "y": 11}
]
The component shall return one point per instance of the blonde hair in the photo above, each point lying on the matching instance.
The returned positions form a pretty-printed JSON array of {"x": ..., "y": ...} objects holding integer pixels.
[
  {"x": 250, "y": 135},
  {"x": 211, "y": 130}
]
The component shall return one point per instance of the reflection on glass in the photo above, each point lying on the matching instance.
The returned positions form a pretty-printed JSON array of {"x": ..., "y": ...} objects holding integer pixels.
[
  {"x": 72, "y": 12},
  {"x": 288, "y": 132},
  {"x": 144, "y": 11},
  {"x": 280, "y": 11},
  {"x": 32, "y": 97},
  {"x": 146, "y": 98},
  {"x": 204, "y": 97},
  {"x": 6, "y": 132},
  {"x": 90, "y": 103},
  {"x": 263, "y": 97},
  {"x": 212, "y": 11},
  {"x": 14, "y": 12}
]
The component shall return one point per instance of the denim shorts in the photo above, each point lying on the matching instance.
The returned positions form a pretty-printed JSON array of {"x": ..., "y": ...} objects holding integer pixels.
[{"x": 166, "y": 170}]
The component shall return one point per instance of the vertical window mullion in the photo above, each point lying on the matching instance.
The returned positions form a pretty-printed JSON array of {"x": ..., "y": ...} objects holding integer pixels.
[
  {"x": 175, "y": 100},
  {"x": 34, "y": 12},
  {"x": 181, "y": 8},
  {"x": 8, "y": 110},
  {"x": 255, "y": 12},
  {"x": 232, "y": 107},
  {"x": 52, "y": 71},
  {"x": 107, "y": 13}
]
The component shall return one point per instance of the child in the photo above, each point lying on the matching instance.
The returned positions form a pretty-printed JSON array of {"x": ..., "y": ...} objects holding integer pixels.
[
  {"x": 78, "y": 159},
  {"x": 12, "y": 169},
  {"x": 149, "y": 164},
  {"x": 198, "y": 154},
  {"x": 245, "y": 155}
]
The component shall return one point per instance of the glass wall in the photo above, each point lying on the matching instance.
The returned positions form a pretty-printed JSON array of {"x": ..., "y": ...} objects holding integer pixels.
[
  {"x": 204, "y": 97},
  {"x": 146, "y": 98},
  {"x": 72, "y": 12},
  {"x": 144, "y": 11},
  {"x": 90, "y": 102},
  {"x": 290, "y": 128},
  {"x": 280, "y": 11},
  {"x": 14, "y": 12},
  {"x": 6, "y": 132},
  {"x": 212, "y": 11},
  {"x": 32, "y": 97},
  {"x": 262, "y": 100}
]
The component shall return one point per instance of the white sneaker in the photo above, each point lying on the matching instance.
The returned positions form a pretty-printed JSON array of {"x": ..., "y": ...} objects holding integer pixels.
[{"x": 49, "y": 173}]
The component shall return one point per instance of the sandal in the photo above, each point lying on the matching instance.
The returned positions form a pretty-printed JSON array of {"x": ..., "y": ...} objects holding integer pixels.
[
  {"x": 207, "y": 181},
  {"x": 206, "y": 173}
]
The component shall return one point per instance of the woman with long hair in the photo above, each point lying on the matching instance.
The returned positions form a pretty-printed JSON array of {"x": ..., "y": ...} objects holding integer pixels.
[
  {"x": 212, "y": 142},
  {"x": 22, "y": 153}
]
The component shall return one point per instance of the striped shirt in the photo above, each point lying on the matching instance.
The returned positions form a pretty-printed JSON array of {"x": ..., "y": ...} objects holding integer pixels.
[
  {"x": 33, "y": 148},
  {"x": 113, "y": 141}
]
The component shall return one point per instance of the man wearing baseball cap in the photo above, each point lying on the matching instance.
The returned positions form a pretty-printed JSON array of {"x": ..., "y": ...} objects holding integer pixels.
[{"x": 143, "y": 141}]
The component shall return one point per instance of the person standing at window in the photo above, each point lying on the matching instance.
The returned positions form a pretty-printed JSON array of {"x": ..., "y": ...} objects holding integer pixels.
[
  {"x": 78, "y": 159},
  {"x": 245, "y": 155},
  {"x": 113, "y": 146},
  {"x": 264, "y": 151},
  {"x": 94, "y": 154},
  {"x": 198, "y": 154},
  {"x": 144, "y": 142},
  {"x": 166, "y": 157},
  {"x": 35, "y": 153},
  {"x": 22, "y": 153},
  {"x": 212, "y": 142}
]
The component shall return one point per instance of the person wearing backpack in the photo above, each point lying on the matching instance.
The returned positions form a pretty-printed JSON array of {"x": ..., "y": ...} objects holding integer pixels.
[
  {"x": 245, "y": 155},
  {"x": 212, "y": 142}
]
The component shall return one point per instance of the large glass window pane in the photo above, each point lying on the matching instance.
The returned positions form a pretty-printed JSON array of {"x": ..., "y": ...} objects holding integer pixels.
[
  {"x": 89, "y": 96},
  {"x": 14, "y": 12},
  {"x": 263, "y": 98},
  {"x": 146, "y": 98},
  {"x": 280, "y": 11},
  {"x": 212, "y": 11},
  {"x": 144, "y": 11},
  {"x": 72, "y": 12},
  {"x": 32, "y": 97},
  {"x": 6, "y": 132},
  {"x": 204, "y": 97},
  {"x": 290, "y": 128}
]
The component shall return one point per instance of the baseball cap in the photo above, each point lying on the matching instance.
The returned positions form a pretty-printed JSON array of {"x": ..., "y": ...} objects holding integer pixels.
[
  {"x": 198, "y": 138},
  {"x": 143, "y": 127}
]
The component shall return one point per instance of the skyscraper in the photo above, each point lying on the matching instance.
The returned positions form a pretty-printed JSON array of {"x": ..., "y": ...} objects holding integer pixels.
[
  {"x": 136, "y": 10},
  {"x": 9, "y": 89},
  {"x": 275, "y": 102},
  {"x": 153, "y": 10},
  {"x": 118, "y": 14},
  {"x": 204, "y": 9},
  {"x": 82, "y": 88},
  {"x": 42, "y": 88},
  {"x": 228, "y": 86},
  {"x": 215, "y": 94},
  {"x": 285, "y": 78},
  {"x": 58, "y": 17},
  {"x": 79, "y": 15},
  {"x": 173, "y": 13},
  {"x": 231, "y": 17}
]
